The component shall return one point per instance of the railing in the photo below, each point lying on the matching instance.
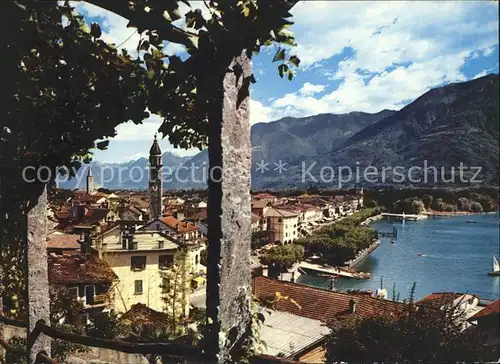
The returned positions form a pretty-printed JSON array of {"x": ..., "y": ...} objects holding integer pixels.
[
  {"x": 41, "y": 357},
  {"x": 100, "y": 299},
  {"x": 190, "y": 353}
]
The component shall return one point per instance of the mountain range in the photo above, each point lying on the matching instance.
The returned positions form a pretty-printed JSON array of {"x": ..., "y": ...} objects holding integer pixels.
[{"x": 450, "y": 126}]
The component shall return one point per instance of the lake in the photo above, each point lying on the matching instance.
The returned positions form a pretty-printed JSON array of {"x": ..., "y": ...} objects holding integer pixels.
[{"x": 458, "y": 255}]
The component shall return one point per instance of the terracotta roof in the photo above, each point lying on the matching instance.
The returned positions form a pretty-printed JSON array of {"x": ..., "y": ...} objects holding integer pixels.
[
  {"x": 93, "y": 216},
  {"x": 76, "y": 269},
  {"x": 177, "y": 225},
  {"x": 63, "y": 241},
  {"x": 440, "y": 297},
  {"x": 255, "y": 217},
  {"x": 257, "y": 204},
  {"x": 272, "y": 212},
  {"x": 261, "y": 196},
  {"x": 200, "y": 215},
  {"x": 143, "y": 315},
  {"x": 140, "y": 203},
  {"x": 491, "y": 309},
  {"x": 324, "y": 305}
]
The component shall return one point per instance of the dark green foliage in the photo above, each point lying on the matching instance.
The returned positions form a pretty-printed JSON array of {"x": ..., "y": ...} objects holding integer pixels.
[
  {"x": 106, "y": 325},
  {"x": 260, "y": 238},
  {"x": 340, "y": 241},
  {"x": 428, "y": 334},
  {"x": 61, "y": 349},
  {"x": 399, "y": 200},
  {"x": 283, "y": 256}
]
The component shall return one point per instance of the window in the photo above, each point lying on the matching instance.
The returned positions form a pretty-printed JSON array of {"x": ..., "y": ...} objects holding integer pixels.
[
  {"x": 165, "y": 285},
  {"x": 165, "y": 261},
  {"x": 138, "y": 263},
  {"x": 73, "y": 292},
  {"x": 138, "y": 287}
]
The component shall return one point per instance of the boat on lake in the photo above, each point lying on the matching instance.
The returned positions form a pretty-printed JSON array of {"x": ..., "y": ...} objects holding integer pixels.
[{"x": 496, "y": 268}]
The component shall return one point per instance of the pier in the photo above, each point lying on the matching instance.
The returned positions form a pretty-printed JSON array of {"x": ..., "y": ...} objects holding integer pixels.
[
  {"x": 403, "y": 216},
  {"x": 331, "y": 271}
]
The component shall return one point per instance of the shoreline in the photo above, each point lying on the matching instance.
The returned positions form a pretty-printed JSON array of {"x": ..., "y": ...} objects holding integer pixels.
[
  {"x": 362, "y": 255},
  {"x": 456, "y": 213}
]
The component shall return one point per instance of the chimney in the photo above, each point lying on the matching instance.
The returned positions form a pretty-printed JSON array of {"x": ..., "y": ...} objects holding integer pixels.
[
  {"x": 179, "y": 215},
  {"x": 352, "y": 306}
]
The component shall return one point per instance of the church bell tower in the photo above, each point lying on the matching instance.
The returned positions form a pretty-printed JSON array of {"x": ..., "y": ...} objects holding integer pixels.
[{"x": 155, "y": 182}]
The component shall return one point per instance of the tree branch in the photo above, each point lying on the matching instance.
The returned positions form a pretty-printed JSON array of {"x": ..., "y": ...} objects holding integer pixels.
[{"x": 147, "y": 20}]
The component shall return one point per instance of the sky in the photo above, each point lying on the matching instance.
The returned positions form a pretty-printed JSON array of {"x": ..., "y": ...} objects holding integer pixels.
[{"x": 355, "y": 56}]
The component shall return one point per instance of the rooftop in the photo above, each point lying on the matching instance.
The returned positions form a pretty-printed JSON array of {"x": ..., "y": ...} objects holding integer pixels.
[
  {"x": 59, "y": 240},
  {"x": 323, "y": 305},
  {"x": 289, "y": 334},
  {"x": 493, "y": 309},
  {"x": 273, "y": 212},
  {"x": 143, "y": 315},
  {"x": 178, "y": 225},
  {"x": 78, "y": 269},
  {"x": 147, "y": 240}
]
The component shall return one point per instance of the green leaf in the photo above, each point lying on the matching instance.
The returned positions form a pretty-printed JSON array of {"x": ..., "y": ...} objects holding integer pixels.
[
  {"x": 103, "y": 145},
  {"x": 166, "y": 15},
  {"x": 290, "y": 41},
  {"x": 282, "y": 68},
  {"x": 157, "y": 54},
  {"x": 95, "y": 30},
  {"x": 294, "y": 60},
  {"x": 144, "y": 46},
  {"x": 279, "y": 56}
]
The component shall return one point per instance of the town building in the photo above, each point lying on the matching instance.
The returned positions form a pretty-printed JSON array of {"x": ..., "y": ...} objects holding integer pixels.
[
  {"x": 86, "y": 278},
  {"x": 60, "y": 243},
  {"x": 138, "y": 258},
  {"x": 283, "y": 225},
  {"x": 186, "y": 233}
]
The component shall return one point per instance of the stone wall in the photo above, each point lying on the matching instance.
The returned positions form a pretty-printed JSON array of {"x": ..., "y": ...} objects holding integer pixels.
[{"x": 94, "y": 355}]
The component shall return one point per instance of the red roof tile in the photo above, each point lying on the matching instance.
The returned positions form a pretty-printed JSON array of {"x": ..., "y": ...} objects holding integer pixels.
[
  {"x": 177, "y": 225},
  {"x": 143, "y": 315},
  {"x": 326, "y": 306},
  {"x": 63, "y": 241},
  {"x": 440, "y": 297},
  {"x": 77, "y": 269},
  {"x": 491, "y": 309},
  {"x": 261, "y": 196}
]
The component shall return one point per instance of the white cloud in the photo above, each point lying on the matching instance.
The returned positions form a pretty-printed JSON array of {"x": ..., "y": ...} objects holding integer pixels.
[
  {"x": 480, "y": 74},
  {"x": 488, "y": 51},
  {"x": 383, "y": 33},
  {"x": 396, "y": 51},
  {"x": 310, "y": 89},
  {"x": 260, "y": 113}
]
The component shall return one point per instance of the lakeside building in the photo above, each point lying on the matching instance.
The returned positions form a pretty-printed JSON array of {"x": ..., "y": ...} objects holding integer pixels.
[{"x": 283, "y": 225}]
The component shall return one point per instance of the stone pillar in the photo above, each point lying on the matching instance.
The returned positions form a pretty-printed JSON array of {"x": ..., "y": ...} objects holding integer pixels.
[
  {"x": 38, "y": 281},
  {"x": 229, "y": 218}
]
